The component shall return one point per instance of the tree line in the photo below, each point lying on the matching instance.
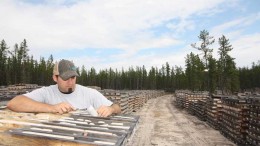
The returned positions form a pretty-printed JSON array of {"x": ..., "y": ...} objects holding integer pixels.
[
  {"x": 16, "y": 66},
  {"x": 202, "y": 72}
]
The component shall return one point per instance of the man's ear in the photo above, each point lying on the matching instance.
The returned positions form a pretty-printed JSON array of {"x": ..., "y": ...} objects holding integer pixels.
[{"x": 55, "y": 78}]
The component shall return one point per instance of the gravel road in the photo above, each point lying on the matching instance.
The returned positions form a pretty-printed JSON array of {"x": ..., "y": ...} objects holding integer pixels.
[{"x": 162, "y": 124}]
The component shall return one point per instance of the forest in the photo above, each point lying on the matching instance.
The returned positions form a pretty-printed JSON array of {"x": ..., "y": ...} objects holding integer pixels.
[{"x": 201, "y": 72}]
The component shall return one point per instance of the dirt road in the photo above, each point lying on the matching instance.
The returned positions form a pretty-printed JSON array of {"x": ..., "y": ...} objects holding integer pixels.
[{"x": 162, "y": 124}]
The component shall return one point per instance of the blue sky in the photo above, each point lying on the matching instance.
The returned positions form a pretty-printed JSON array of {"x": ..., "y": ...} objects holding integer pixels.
[{"x": 123, "y": 33}]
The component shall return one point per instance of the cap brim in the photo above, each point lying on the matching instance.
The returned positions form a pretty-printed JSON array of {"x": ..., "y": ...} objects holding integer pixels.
[{"x": 68, "y": 74}]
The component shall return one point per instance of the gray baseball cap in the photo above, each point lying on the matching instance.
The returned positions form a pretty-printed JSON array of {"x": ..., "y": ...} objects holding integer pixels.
[{"x": 65, "y": 69}]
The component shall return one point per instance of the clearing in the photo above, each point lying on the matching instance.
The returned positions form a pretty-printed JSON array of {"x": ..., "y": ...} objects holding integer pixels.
[{"x": 162, "y": 124}]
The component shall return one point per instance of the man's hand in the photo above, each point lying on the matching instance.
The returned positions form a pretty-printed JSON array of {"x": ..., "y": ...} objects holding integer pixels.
[
  {"x": 62, "y": 108},
  {"x": 104, "y": 111}
]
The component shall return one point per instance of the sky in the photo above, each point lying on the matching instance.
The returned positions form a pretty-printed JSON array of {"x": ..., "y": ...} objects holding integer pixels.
[{"x": 129, "y": 33}]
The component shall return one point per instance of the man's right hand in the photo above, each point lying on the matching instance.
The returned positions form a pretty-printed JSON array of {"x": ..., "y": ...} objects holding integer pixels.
[{"x": 62, "y": 108}]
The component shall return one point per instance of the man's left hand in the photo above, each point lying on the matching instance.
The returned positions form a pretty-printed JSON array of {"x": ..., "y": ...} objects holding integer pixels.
[{"x": 104, "y": 111}]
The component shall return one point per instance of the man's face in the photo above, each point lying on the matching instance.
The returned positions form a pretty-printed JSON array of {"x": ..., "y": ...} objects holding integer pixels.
[{"x": 67, "y": 86}]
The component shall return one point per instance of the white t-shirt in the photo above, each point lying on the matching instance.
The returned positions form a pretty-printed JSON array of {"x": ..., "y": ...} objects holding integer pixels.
[{"x": 81, "y": 98}]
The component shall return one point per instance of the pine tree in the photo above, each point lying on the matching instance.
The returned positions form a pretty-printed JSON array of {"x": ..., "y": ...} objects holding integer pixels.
[
  {"x": 3, "y": 62},
  {"x": 206, "y": 41},
  {"x": 228, "y": 80},
  {"x": 194, "y": 72}
]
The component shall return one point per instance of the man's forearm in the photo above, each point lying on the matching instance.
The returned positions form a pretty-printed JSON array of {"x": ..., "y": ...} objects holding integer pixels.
[{"x": 24, "y": 104}]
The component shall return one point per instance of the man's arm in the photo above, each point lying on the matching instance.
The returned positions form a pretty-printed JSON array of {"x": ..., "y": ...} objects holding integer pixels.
[
  {"x": 105, "y": 111},
  {"x": 22, "y": 103}
]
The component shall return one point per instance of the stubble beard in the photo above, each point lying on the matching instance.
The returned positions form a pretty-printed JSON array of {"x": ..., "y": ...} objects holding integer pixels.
[{"x": 69, "y": 90}]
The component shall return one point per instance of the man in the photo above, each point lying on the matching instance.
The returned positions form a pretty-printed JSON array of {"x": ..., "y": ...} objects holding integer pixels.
[{"x": 63, "y": 97}]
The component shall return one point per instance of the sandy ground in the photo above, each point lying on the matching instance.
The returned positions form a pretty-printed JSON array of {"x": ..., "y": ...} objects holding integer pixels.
[{"x": 162, "y": 124}]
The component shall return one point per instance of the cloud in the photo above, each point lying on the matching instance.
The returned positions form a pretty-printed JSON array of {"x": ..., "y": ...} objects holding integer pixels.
[
  {"x": 236, "y": 26},
  {"x": 128, "y": 25},
  {"x": 246, "y": 49},
  {"x": 89, "y": 23}
]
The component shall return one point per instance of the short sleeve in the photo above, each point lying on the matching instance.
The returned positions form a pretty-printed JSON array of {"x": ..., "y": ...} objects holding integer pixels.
[
  {"x": 37, "y": 95},
  {"x": 100, "y": 99}
]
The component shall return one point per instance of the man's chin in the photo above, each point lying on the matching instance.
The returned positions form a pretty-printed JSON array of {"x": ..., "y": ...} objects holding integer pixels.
[{"x": 70, "y": 90}]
